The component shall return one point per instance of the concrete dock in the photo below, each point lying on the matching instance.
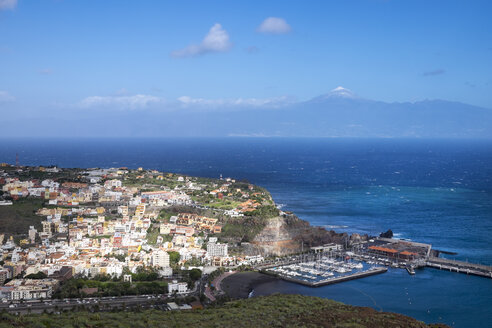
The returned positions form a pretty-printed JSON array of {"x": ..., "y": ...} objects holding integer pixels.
[
  {"x": 333, "y": 280},
  {"x": 459, "y": 266}
]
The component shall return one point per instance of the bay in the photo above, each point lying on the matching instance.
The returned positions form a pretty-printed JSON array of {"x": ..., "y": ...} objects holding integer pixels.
[{"x": 431, "y": 191}]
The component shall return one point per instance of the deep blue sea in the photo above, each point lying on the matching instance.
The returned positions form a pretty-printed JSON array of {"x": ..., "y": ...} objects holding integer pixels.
[{"x": 432, "y": 191}]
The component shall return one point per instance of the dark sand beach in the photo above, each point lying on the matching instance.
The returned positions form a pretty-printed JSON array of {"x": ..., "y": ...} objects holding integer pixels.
[{"x": 239, "y": 285}]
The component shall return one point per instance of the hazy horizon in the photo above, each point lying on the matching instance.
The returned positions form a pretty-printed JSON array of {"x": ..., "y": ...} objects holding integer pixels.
[{"x": 366, "y": 68}]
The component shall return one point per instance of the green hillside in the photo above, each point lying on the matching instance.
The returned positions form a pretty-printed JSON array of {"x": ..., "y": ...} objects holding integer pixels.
[{"x": 269, "y": 311}]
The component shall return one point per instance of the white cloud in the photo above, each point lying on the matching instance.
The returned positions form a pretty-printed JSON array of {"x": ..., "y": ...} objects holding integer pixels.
[
  {"x": 274, "y": 25},
  {"x": 216, "y": 40},
  {"x": 7, "y": 4},
  {"x": 121, "y": 102},
  {"x": 6, "y": 97},
  {"x": 273, "y": 102},
  {"x": 125, "y": 102}
]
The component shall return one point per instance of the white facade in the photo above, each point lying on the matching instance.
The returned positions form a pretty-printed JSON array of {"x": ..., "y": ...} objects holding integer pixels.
[
  {"x": 160, "y": 258},
  {"x": 214, "y": 249},
  {"x": 165, "y": 228},
  {"x": 28, "y": 289},
  {"x": 115, "y": 183},
  {"x": 178, "y": 287},
  {"x": 47, "y": 228},
  {"x": 32, "y": 234},
  {"x": 166, "y": 272}
]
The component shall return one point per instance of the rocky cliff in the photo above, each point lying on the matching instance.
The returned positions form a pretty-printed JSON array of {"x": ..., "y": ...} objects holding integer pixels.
[{"x": 287, "y": 234}]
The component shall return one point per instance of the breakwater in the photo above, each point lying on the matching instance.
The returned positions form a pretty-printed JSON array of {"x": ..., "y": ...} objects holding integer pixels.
[{"x": 459, "y": 266}]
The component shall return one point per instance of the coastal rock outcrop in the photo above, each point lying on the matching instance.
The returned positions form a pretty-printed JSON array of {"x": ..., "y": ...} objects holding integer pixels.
[
  {"x": 387, "y": 234},
  {"x": 278, "y": 237},
  {"x": 287, "y": 234}
]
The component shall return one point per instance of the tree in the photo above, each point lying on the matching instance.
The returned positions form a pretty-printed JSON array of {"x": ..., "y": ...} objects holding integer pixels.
[
  {"x": 173, "y": 257},
  {"x": 38, "y": 275},
  {"x": 195, "y": 274}
]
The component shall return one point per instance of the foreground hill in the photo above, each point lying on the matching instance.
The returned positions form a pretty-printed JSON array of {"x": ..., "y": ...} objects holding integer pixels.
[{"x": 269, "y": 311}]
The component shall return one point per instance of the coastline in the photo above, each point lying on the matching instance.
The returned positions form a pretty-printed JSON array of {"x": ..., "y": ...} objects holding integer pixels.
[
  {"x": 241, "y": 284},
  {"x": 428, "y": 289}
]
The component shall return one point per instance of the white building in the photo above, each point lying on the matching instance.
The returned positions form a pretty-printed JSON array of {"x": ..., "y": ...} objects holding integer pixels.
[
  {"x": 32, "y": 234},
  {"x": 47, "y": 228},
  {"x": 178, "y": 287},
  {"x": 166, "y": 272},
  {"x": 233, "y": 213},
  {"x": 165, "y": 228},
  {"x": 127, "y": 278},
  {"x": 4, "y": 275},
  {"x": 114, "y": 183},
  {"x": 16, "y": 255},
  {"x": 28, "y": 289},
  {"x": 160, "y": 258},
  {"x": 218, "y": 249}
]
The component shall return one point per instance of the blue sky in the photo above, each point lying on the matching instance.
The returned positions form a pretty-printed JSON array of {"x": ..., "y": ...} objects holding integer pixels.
[{"x": 59, "y": 55}]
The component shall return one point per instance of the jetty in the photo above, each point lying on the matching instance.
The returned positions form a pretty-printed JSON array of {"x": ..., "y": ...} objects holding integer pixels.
[
  {"x": 319, "y": 266},
  {"x": 332, "y": 280},
  {"x": 459, "y": 266}
]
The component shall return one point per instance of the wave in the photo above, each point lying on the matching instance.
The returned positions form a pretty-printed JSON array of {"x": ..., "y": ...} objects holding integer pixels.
[
  {"x": 400, "y": 236},
  {"x": 335, "y": 226}
]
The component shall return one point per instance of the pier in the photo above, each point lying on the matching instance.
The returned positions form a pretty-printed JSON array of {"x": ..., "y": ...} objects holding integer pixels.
[
  {"x": 333, "y": 280},
  {"x": 320, "y": 268},
  {"x": 320, "y": 265},
  {"x": 267, "y": 265},
  {"x": 459, "y": 266}
]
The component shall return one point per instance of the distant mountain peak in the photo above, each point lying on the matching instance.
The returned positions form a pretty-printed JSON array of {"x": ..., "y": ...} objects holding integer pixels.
[
  {"x": 335, "y": 94},
  {"x": 341, "y": 92}
]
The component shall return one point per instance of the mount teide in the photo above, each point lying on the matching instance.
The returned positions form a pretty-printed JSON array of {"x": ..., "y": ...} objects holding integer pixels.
[{"x": 339, "y": 113}]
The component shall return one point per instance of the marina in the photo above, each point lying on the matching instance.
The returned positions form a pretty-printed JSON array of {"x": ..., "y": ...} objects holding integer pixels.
[
  {"x": 326, "y": 265},
  {"x": 324, "y": 271}
]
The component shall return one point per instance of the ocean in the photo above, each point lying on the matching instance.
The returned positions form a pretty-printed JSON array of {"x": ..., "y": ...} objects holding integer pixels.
[{"x": 431, "y": 191}]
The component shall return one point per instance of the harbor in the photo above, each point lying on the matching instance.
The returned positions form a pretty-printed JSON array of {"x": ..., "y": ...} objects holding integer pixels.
[
  {"x": 328, "y": 279},
  {"x": 323, "y": 270},
  {"x": 328, "y": 264}
]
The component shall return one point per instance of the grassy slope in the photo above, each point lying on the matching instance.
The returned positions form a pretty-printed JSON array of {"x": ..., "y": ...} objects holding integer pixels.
[
  {"x": 270, "y": 311},
  {"x": 16, "y": 219}
]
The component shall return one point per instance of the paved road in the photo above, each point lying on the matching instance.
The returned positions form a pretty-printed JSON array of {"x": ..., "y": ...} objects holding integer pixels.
[
  {"x": 216, "y": 283},
  {"x": 102, "y": 303},
  {"x": 209, "y": 295}
]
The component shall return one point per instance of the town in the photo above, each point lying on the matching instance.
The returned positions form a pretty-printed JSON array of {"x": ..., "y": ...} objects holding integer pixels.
[
  {"x": 117, "y": 224},
  {"x": 85, "y": 236}
]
